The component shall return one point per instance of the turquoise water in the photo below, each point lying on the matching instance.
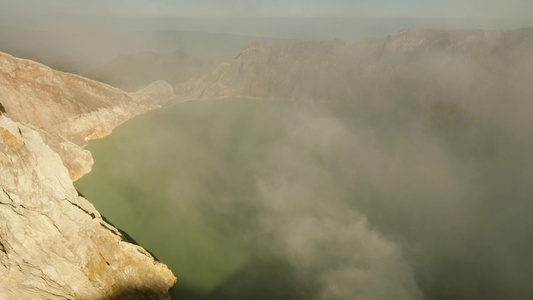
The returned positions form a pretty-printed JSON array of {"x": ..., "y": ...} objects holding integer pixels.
[
  {"x": 180, "y": 181},
  {"x": 277, "y": 200}
]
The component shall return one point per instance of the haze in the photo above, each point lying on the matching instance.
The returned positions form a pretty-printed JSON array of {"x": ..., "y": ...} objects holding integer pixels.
[
  {"x": 294, "y": 19},
  {"x": 335, "y": 149}
]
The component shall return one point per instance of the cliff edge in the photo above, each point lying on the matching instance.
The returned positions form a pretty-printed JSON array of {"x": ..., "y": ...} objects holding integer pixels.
[
  {"x": 53, "y": 242},
  {"x": 69, "y": 110}
]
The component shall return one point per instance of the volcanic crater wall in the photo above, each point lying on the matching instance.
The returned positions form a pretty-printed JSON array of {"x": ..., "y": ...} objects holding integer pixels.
[{"x": 53, "y": 242}]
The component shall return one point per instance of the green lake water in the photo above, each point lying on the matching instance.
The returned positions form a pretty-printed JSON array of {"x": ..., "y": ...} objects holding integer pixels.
[{"x": 251, "y": 199}]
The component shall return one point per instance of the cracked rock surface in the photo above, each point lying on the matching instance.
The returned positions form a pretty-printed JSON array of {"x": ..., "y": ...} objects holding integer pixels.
[{"x": 53, "y": 242}]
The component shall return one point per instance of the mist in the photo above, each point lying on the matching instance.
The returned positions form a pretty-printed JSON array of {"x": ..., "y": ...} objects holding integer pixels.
[
  {"x": 390, "y": 165},
  {"x": 79, "y": 36},
  {"x": 322, "y": 201}
]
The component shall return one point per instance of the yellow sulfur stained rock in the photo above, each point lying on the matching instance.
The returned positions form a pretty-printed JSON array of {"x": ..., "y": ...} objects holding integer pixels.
[{"x": 53, "y": 243}]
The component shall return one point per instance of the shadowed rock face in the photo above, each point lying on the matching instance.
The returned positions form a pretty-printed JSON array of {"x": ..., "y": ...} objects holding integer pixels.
[
  {"x": 70, "y": 110},
  {"x": 53, "y": 242}
]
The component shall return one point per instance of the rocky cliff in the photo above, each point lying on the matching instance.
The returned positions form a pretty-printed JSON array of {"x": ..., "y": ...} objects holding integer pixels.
[
  {"x": 68, "y": 109},
  {"x": 53, "y": 243},
  {"x": 482, "y": 73},
  {"x": 473, "y": 67}
]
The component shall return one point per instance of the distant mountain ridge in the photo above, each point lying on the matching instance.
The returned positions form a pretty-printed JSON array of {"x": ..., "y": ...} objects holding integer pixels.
[
  {"x": 470, "y": 67},
  {"x": 81, "y": 52},
  {"x": 134, "y": 71}
]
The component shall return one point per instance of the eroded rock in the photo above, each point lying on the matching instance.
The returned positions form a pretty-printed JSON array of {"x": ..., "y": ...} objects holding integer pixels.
[
  {"x": 53, "y": 243},
  {"x": 66, "y": 107}
]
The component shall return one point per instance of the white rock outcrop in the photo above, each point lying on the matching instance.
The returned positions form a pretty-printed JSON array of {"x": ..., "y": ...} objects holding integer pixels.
[{"x": 53, "y": 242}]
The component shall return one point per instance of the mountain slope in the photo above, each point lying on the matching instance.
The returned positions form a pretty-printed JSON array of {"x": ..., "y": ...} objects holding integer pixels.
[
  {"x": 470, "y": 67},
  {"x": 79, "y": 52},
  {"x": 53, "y": 242},
  {"x": 69, "y": 109}
]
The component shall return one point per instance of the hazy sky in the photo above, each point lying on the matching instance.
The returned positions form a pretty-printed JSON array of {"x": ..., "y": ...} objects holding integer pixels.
[
  {"x": 300, "y": 19},
  {"x": 508, "y": 9}
]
